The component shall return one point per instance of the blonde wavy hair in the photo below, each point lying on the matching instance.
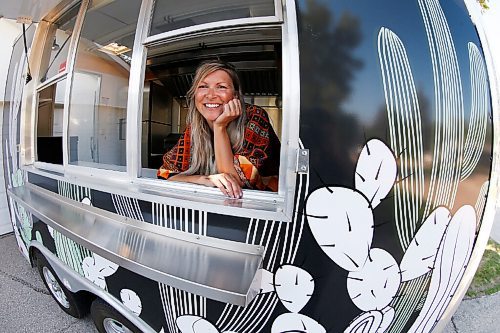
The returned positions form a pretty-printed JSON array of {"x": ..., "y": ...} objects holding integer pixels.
[{"x": 202, "y": 150}]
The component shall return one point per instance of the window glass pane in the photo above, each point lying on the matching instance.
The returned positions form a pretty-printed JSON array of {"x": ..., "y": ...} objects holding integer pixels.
[
  {"x": 171, "y": 15},
  {"x": 100, "y": 85},
  {"x": 58, "y": 44},
  {"x": 49, "y": 127}
]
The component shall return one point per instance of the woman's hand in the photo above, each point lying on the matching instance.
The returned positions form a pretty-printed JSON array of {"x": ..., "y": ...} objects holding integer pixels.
[
  {"x": 232, "y": 110},
  {"x": 227, "y": 183}
]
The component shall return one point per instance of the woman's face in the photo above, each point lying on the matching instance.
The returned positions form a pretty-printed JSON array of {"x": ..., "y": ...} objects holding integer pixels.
[{"x": 213, "y": 91}]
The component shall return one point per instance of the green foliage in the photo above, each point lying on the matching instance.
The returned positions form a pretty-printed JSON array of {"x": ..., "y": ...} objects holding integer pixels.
[
  {"x": 487, "y": 278},
  {"x": 483, "y": 4}
]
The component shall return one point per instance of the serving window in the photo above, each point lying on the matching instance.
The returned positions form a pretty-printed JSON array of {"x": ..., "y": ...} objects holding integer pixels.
[
  {"x": 170, "y": 68},
  {"x": 112, "y": 92}
]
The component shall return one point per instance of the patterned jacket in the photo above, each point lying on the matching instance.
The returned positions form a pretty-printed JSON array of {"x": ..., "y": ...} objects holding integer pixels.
[{"x": 257, "y": 162}]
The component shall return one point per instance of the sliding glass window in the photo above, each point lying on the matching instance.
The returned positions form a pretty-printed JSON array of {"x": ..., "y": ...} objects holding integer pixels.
[
  {"x": 55, "y": 58},
  {"x": 170, "y": 15},
  {"x": 98, "y": 104}
]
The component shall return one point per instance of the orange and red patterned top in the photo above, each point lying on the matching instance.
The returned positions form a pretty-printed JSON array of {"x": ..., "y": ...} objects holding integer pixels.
[{"x": 257, "y": 162}]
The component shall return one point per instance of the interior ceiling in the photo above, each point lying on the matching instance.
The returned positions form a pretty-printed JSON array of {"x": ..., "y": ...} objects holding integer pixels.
[
  {"x": 35, "y": 9},
  {"x": 258, "y": 67}
]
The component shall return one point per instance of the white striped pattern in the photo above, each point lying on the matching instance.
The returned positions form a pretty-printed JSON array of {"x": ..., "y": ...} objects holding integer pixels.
[
  {"x": 67, "y": 250},
  {"x": 405, "y": 130},
  {"x": 71, "y": 253},
  {"x": 73, "y": 192},
  {"x": 185, "y": 219},
  {"x": 481, "y": 202},
  {"x": 449, "y": 130},
  {"x": 281, "y": 241},
  {"x": 128, "y": 207},
  {"x": 476, "y": 135},
  {"x": 178, "y": 302},
  {"x": 409, "y": 298}
]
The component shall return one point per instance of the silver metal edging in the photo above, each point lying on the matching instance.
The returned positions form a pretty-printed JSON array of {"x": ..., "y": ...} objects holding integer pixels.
[
  {"x": 172, "y": 196},
  {"x": 291, "y": 106},
  {"x": 136, "y": 83},
  {"x": 193, "y": 287},
  {"x": 29, "y": 99},
  {"x": 54, "y": 79},
  {"x": 215, "y": 31},
  {"x": 75, "y": 282},
  {"x": 491, "y": 198},
  {"x": 70, "y": 69},
  {"x": 211, "y": 26}
]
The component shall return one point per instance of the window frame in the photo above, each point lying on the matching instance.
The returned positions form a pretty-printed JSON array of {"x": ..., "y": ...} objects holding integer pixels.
[
  {"x": 151, "y": 39},
  {"x": 284, "y": 199},
  {"x": 259, "y": 204},
  {"x": 41, "y": 43}
]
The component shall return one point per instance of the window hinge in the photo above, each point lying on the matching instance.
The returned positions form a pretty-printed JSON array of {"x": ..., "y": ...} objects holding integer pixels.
[{"x": 302, "y": 161}]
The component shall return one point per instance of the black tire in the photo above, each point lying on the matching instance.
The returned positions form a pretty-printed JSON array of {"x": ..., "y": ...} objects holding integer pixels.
[
  {"x": 76, "y": 305},
  {"x": 109, "y": 320}
]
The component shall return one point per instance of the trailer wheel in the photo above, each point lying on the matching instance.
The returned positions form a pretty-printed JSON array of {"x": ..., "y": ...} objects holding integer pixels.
[
  {"x": 109, "y": 320},
  {"x": 73, "y": 304}
]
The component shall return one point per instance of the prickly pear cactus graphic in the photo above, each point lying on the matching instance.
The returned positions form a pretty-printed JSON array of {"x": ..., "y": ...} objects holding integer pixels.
[
  {"x": 23, "y": 221},
  {"x": 437, "y": 244},
  {"x": 294, "y": 287},
  {"x": 96, "y": 269}
]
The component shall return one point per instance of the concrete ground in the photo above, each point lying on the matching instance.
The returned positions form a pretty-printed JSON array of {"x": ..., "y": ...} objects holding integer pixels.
[
  {"x": 27, "y": 307},
  {"x": 25, "y": 304}
]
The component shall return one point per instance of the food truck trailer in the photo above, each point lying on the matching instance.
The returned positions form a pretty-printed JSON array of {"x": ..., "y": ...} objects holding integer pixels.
[{"x": 388, "y": 117}]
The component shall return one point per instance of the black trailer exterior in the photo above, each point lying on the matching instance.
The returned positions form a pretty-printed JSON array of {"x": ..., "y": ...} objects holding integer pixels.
[{"x": 387, "y": 179}]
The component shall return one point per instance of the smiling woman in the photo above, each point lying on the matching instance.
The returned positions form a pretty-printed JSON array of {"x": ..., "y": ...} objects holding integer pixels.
[{"x": 223, "y": 146}]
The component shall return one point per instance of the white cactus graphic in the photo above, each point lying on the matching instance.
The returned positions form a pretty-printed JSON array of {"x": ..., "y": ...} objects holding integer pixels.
[
  {"x": 373, "y": 321},
  {"x": 337, "y": 216},
  {"x": 294, "y": 287},
  {"x": 131, "y": 300},
  {"x": 376, "y": 171},
  {"x": 420, "y": 256},
  {"x": 376, "y": 284},
  {"x": 195, "y": 324},
  {"x": 96, "y": 269},
  {"x": 296, "y": 322}
]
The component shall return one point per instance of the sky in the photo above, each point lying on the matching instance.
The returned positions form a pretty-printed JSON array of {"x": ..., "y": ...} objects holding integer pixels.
[{"x": 405, "y": 20}]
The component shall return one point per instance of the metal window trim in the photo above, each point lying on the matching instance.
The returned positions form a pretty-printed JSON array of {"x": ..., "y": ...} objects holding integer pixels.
[
  {"x": 29, "y": 117},
  {"x": 53, "y": 80},
  {"x": 72, "y": 52},
  {"x": 287, "y": 19},
  {"x": 276, "y": 18},
  {"x": 214, "y": 31},
  {"x": 158, "y": 193},
  {"x": 291, "y": 107},
  {"x": 29, "y": 100},
  {"x": 136, "y": 86},
  {"x": 283, "y": 201},
  {"x": 46, "y": 166},
  {"x": 211, "y": 26}
]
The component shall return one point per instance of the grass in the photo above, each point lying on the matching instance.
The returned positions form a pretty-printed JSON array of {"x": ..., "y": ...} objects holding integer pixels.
[{"x": 487, "y": 278}]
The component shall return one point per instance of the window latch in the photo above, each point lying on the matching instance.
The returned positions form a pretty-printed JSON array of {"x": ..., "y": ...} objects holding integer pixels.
[{"x": 302, "y": 161}]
